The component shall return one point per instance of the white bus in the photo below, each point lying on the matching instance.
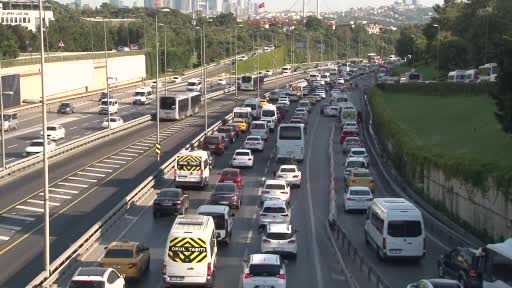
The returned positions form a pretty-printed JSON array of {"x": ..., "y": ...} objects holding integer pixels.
[
  {"x": 179, "y": 106},
  {"x": 488, "y": 72},
  {"x": 291, "y": 141},
  {"x": 250, "y": 82},
  {"x": 496, "y": 263}
]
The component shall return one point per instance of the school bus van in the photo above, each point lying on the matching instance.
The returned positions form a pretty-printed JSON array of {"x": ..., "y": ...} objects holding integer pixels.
[{"x": 192, "y": 169}]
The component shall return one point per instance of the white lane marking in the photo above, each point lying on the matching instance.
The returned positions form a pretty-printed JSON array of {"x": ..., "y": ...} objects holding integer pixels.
[
  {"x": 145, "y": 140},
  {"x": 134, "y": 150},
  {"x": 98, "y": 169},
  {"x": 30, "y": 208},
  {"x": 106, "y": 165},
  {"x": 72, "y": 184},
  {"x": 114, "y": 161},
  {"x": 9, "y": 227},
  {"x": 28, "y": 141},
  {"x": 63, "y": 190},
  {"x": 73, "y": 128},
  {"x": 128, "y": 154},
  {"x": 12, "y": 216},
  {"x": 82, "y": 179},
  {"x": 91, "y": 174},
  {"x": 76, "y": 137},
  {"x": 42, "y": 202},
  {"x": 121, "y": 157},
  {"x": 12, "y": 146},
  {"x": 96, "y": 120},
  {"x": 86, "y": 124},
  {"x": 4, "y": 238},
  {"x": 10, "y": 159},
  {"x": 137, "y": 147},
  {"x": 56, "y": 196},
  {"x": 87, "y": 132},
  {"x": 143, "y": 144}
]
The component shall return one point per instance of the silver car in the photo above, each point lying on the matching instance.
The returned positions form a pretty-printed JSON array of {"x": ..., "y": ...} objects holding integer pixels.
[
  {"x": 260, "y": 128},
  {"x": 279, "y": 239},
  {"x": 274, "y": 211}
]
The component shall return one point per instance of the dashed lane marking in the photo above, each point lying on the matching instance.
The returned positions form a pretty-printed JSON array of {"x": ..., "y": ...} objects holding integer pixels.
[
  {"x": 56, "y": 196},
  {"x": 113, "y": 161},
  {"x": 72, "y": 184},
  {"x": 106, "y": 165},
  {"x": 42, "y": 202},
  {"x": 90, "y": 174},
  {"x": 127, "y": 154},
  {"x": 63, "y": 190},
  {"x": 10, "y": 159},
  {"x": 82, "y": 179},
  {"x": 137, "y": 147},
  {"x": 121, "y": 157},
  {"x": 73, "y": 128},
  {"x": 29, "y": 208},
  {"x": 98, "y": 169},
  {"x": 133, "y": 150},
  {"x": 9, "y": 227},
  {"x": 12, "y": 216},
  {"x": 8, "y": 147}
]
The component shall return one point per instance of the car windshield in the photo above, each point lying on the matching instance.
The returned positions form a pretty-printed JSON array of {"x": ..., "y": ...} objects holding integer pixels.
[
  {"x": 211, "y": 140},
  {"x": 36, "y": 144},
  {"x": 252, "y": 106},
  {"x": 51, "y": 128},
  {"x": 358, "y": 152},
  {"x": 229, "y": 173},
  {"x": 119, "y": 253},
  {"x": 264, "y": 270},
  {"x": 352, "y": 142},
  {"x": 356, "y": 164},
  {"x": 275, "y": 187},
  {"x": 273, "y": 209},
  {"x": 86, "y": 284},
  {"x": 361, "y": 174},
  {"x": 258, "y": 126},
  {"x": 242, "y": 153},
  {"x": 225, "y": 188},
  {"x": 65, "y": 105},
  {"x": 288, "y": 170},
  {"x": 404, "y": 228},
  {"x": 278, "y": 236},
  {"x": 252, "y": 138},
  {"x": 359, "y": 192},
  {"x": 171, "y": 193},
  {"x": 268, "y": 113}
]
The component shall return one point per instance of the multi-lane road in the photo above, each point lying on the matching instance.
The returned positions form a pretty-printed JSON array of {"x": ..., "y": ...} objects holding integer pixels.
[{"x": 83, "y": 187}]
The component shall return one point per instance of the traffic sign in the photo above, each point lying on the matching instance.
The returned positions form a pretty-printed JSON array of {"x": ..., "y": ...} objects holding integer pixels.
[
  {"x": 61, "y": 44},
  {"x": 157, "y": 148}
]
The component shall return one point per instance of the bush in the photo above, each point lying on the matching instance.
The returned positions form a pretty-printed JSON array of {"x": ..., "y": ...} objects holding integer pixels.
[{"x": 440, "y": 88}]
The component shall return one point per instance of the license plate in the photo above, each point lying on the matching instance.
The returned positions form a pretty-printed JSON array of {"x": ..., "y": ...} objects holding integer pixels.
[
  {"x": 223, "y": 202},
  {"x": 212, "y": 146},
  {"x": 176, "y": 278},
  {"x": 395, "y": 251},
  {"x": 277, "y": 249},
  {"x": 116, "y": 266}
]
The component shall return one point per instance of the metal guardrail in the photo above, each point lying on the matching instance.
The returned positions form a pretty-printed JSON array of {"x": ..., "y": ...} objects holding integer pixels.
[
  {"x": 72, "y": 254},
  {"x": 81, "y": 143}
]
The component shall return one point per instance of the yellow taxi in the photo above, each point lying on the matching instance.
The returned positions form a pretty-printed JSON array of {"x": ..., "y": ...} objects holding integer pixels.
[
  {"x": 129, "y": 258},
  {"x": 242, "y": 123},
  {"x": 311, "y": 99},
  {"x": 263, "y": 102},
  {"x": 360, "y": 177}
]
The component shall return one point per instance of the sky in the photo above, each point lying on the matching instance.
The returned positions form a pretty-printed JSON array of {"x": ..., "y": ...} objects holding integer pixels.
[{"x": 333, "y": 5}]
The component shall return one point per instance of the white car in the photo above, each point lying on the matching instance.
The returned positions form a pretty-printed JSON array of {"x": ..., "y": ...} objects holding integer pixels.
[
  {"x": 351, "y": 125},
  {"x": 254, "y": 143},
  {"x": 114, "y": 122},
  {"x": 284, "y": 103},
  {"x": 346, "y": 77},
  {"x": 274, "y": 211},
  {"x": 318, "y": 96},
  {"x": 242, "y": 158},
  {"x": 98, "y": 277},
  {"x": 154, "y": 85},
  {"x": 290, "y": 174},
  {"x": 242, "y": 58},
  {"x": 284, "y": 100},
  {"x": 318, "y": 83},
  {"x": 36, "y": 147},
  {"x": 358, "y": 198},
  {"x": 331, "y": 111},
  {"x": 340, "y": 81},
  {"x": 354, "y": 162},
  {"x": 175, "y": 79},
  {"x": 275, "y": 189},
  {"x": 304, "y": 104},
  {"x": 54, "y": 132},
  {"x": 264, "y": 270},
  {"x": 279, "y": 239},
  {"x": 301, "y": 110},
  {"x": 359, "y": 152},
  {"x": 221, "y": 81},
  {"x": 268, "y": 73}
]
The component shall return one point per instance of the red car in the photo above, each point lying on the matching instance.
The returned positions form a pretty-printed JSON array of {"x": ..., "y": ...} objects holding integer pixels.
[
  {"x": 232, "y": 175},
  {"x": 228, "y": 130},
  {"x": 214, "y": 144},
  {"x": 236, "y": 128},
  {"x": 281, "y": 113},
  {"x": 348, "y": 133}
]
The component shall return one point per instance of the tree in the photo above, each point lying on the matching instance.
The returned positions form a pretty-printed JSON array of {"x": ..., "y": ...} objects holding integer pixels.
[{"x": 313, "y": 23}]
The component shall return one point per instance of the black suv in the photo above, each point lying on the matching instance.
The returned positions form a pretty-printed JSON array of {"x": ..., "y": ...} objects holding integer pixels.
[
  {"x": 461, "y": 264},
  {"x": 66, "y": 108}
]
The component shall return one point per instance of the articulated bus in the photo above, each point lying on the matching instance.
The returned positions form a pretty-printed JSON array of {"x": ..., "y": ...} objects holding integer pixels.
[
  {"x": 179, "y": 106},
  {"x": 496, "y": 264},
  {"x": 251, "y": 82},
  {"x": 291, "y": 141}
]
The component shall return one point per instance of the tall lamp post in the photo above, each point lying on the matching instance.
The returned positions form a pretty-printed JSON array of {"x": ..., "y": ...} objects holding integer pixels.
[
  {"x": 157, "y": 81},
  {"x": 413, "y": 50},
  {"x": 2, "y": 122},
  {"x": 438, "y": 32},
  {"x": 106, "y": 70},
  {"x": 203, "y": 82}
]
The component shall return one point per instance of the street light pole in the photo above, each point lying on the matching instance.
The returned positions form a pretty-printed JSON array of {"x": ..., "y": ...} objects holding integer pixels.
[
  {"x": 106, "y": 71},
  {"x": 321, "y": 48},
  {"x": 204, "y": 82},
  {"x": 236, "y": 65},
  {"x": 438, "y": 32},
  {"x": 157, "y": 88},
  {"x": 165, "y": 60},
  {"x": 2, "y": 121},
  {"x": 258, "y": 60}
]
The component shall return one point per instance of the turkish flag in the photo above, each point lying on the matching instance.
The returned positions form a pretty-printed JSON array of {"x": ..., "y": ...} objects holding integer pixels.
[
  {"x": 261, "y": 5},
  {"x": 157, "y": 3}
]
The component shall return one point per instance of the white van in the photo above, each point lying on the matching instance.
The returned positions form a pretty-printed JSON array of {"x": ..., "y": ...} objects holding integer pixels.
[
  {"x": 192, "y": 169},
  {"x": 143, "y": 96},
  {"x": 194, "y": 85},
  {"x": 191, "y": 252},
  {"x": 255, "y": 106},
  {"x": 394, "y": 227},
  {"x": 243, "y": 113},
  {"x": 112, "y": 106},
  {"x": 269, "y": 114},
  {"x": 313, "y": 76},
  {"x": 222, "y": 219},
  {"x": 287, "y": 69}
]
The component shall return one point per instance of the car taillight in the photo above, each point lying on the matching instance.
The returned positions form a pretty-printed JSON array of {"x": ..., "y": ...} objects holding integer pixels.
[
  {"x": 369, "y": 199},
  {"x": 281, "y": 276},
  {"x": 371, "y": 181},
  {"x": 473, "y": 273},
  {"x": 295, "y": 176},
  {"x": 201, "y": 172},
  {"x": 165, "y": 268},
  {"x": 285, "y": 215},
  {"x": 284, "y": 192},
  {"x": 259, "y": 142},
  {"x": 250, "y": 158},
  {"x": 209, "y": 270},
  {"x": 263, "y": 215},
  {"x": 266, "y": 241},
  {"x": 177, "y": 202},
  {"x": 265, "y": 192},
  {"x": 247, "y": 276},
  {"x": 219, "y": 145},
  {"x": 234, "y": 196},
  {"x": 291, "y": 241},
  {"x": 354, "y": 181},
  {"x": 131, "y": 265},
  {"x": 384, "y": 243}
]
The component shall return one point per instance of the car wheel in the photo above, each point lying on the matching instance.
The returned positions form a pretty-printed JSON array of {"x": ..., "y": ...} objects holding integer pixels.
[{"x": 440, "y": 271}]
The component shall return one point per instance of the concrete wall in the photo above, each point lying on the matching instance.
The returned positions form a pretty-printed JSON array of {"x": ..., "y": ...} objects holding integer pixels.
[{"x": 75, "y": 77}]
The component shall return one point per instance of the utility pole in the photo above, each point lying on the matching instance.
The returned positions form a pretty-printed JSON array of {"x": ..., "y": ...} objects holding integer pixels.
[
  {"x": 157, "y": 88},
  {"x": 258, "y": 60},
  {"x": 318, "y": 8},
  {"x": 236, "y": 65},
  {"x": 304, "y": 10},
  {"x": 321, "y": 48}
]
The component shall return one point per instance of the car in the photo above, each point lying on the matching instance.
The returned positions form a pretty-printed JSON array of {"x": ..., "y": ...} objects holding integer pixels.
[
  {"x": 222, "y": 219},
  {"x": 232, "y": 175},
  {"x": 435, "y": 283},
  {"x": 97, "y": 277},
  {"x": 357, "y": 198},
  {"x": 214, "y": 143},
  {"x": 305, "y": 104},
  {"x": 298, "y": 120},
  {"x": 123, "y": 49},
  {"x": 260, "y": 128},
  {"x": 242, "y": 158},
  {"x": 54, "y": 132},
  {"x": 228, "y": 194},
  {"x": 268, "y": 73},
  {"x": 264, "y": 270},
  {"x": 290, "y": 174},
  {"x": 36, "y": 147},
  {"x": 348, "y": 133},
  {"x": 462, "y": 264},
  {"x": 302, "y": 117},
  {"x": 275, "y": 189},
  {"x": 170, "y": 201},
  {"x": 332, "y": 111},
  {"x": 281, "y": 112},
  {"x": 301, "y": 110},
  {"x": 318, "y": 83},
  {"x": 351, "y": 125},
  {"x": 311, "y": 99},
  {"x": 154, "y": 85},
  {"x": 105, "y": 96},
  {"x": 66, "y": 108},
  {"x": 114, "y": 122},
  {"x": 301, "y": 114},
  {"x": 359, "y": 152},
  {"x": 351, "y": 142},
  {"x": 340, "y": 81},
  {"x": 283, "y": 160},
  {"x": 279, "y": 239},
  {"x": 273, "y": 211},
  {"x": 236, "y": 128},
  {"x": 242, "y": 124},
  {"x": 175, "y": 79},
  {"x": 221, "y": 81},
  {"x": 254, "y": 143},
  {"x": 318, "y": 96},
  {"x": 131, "y": 259},
  {"x": 284, "y": 100},
  {"x": 360, "y": 177},
  {"x": 229, "y": 132},
  {"x": 354, "y": 162},
  {"x": 322, "y": 107}
]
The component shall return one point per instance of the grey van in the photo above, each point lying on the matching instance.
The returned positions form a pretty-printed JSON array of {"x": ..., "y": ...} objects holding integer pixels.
[{"x": 10, "y": 121}]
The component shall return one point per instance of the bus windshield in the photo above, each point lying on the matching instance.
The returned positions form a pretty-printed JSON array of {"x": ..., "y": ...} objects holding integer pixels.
[
  {"x": 168, "y": 103},
  {"x": 246, "y": 79},
  {"x": 290, "y": 133}
]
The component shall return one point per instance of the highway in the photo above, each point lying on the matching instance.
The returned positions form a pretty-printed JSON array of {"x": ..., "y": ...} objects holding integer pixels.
[
  {"x": 83, "y": 188},
  {"x": 86, "y": 119},
  {"x": 314, "y": 266}
]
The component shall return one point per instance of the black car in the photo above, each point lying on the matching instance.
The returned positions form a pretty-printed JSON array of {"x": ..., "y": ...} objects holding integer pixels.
[
  {"x": 170, "y": 201},
  {"x": 284, "y": 160},
  {"x": 226, "y": 194},
  {"x": 461, "y": 264},
  {"x": 66, "y": 108}
]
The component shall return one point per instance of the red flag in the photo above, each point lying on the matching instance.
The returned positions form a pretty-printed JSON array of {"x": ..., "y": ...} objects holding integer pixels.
[
  {"x": 261, "y": 5},
  {"x": 157, "y": 3}
]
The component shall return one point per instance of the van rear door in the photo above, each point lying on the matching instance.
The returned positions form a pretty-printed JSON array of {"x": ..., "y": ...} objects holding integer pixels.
[
  {"x": 187, "y": 259},
  {"x": 404, "y": 237}
]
